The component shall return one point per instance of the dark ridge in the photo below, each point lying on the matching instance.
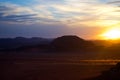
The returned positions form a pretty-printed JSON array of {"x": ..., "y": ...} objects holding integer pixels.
[
  {"x": 112, "y": 74},
  {"x": 70, "y": 43},
  {"x": 12, "y": 43}
]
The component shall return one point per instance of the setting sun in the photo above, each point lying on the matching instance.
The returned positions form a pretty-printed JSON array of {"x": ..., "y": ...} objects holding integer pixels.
[{"x": 112, "y": 34}]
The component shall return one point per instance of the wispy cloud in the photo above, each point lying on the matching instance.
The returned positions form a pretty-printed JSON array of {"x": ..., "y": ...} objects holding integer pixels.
[
  {"x": 114, "y": 1},
  {"x": 17, "y": 13},
  {"x": 69, "y": 12}
]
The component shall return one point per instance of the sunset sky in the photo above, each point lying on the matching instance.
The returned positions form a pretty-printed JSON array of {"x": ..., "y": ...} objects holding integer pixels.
[{"x": 53, "y": 18}]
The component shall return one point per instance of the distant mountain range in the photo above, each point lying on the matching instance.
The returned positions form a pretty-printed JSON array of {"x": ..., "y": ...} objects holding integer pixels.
[
  {"x": 10, "y": 43},
  {"x": 63, "y": 43}
]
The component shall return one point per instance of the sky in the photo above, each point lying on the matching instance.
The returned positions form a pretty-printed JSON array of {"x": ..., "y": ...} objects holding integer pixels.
[{"x": 53, "y": 18}]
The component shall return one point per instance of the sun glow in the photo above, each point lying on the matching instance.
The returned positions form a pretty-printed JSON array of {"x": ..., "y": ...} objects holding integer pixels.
[{"x": 112, "y": 34}]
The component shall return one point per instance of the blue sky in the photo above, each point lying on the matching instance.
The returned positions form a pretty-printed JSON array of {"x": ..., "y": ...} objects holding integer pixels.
[
  {"x": 53, "y": 18},
  {"x": 20, "y": 2}
]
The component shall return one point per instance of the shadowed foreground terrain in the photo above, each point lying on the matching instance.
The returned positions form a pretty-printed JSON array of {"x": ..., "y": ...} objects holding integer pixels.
[
  {"x": 64, "y": 58},
  {"x": 21, "y": 66},
  {"x": 111, "y": 74}
]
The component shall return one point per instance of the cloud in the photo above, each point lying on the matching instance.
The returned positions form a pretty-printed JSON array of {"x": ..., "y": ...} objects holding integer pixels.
[
  {"x": 16, "y": 18},
  {"x": 69, "y": 12},
  {"x": 114, "y": 1},
  {"x": 16, "y": 13},
  {"x": 85, "y": 13}
]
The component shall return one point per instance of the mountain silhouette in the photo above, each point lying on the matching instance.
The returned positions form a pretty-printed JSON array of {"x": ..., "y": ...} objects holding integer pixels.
[
  {"x": 70, "y": 43},
  {"x": 11, "y": 43}
]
